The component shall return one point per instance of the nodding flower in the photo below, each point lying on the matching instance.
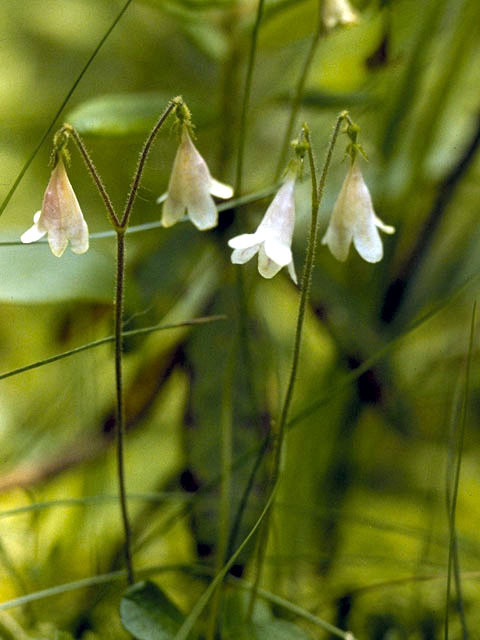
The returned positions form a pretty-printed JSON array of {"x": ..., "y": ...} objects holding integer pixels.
[
  {"x": 353, "y": 218},
  {"x": 191, "y": 188},
  {"x": 338, "y": 12},
  {"x": 60, "y": 216},
  {"x": 273, "y": 238}
]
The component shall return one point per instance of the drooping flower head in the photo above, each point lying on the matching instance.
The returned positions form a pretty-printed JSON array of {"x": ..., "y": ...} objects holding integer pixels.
[
  {"x": 191, "y": 186},
  {"x": 60, "y": 216},
  {"x": 353, "y": 217},
  {"x": 273, "y": 238},
  {"x": 338, "y": 12}
]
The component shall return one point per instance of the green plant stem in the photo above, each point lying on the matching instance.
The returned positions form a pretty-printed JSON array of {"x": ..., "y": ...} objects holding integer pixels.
[
  {"x": 279, "y": 438},
  {"x": 106, "y": 340},
  {"x": 246, "y": 97},
  {"x": 187, "y": 626},
  {"x": 456, "y": 481},
  {"x": 143, "y": 159},
  {"x": 68, "y": 128},
  {"x": 299, "y": 91},
  {"x": 225, "y": 486},
  {"x": 120, "y": 422},
  {"x": 47, "y": 131}
]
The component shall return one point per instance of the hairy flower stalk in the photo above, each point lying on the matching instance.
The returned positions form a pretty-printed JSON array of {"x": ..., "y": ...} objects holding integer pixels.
[
  {"x": 60, "y": 217},
  {"x": 191, "y": 187},
  {"x": 273, "y": 238}
]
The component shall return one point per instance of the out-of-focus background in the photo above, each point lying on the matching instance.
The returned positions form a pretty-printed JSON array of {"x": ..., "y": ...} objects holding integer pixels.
[{"x": 360, "y": 533}]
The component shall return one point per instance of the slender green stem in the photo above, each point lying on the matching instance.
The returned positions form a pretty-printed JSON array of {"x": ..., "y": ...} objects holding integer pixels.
[
  {"x": 299, "y": 91},
  {"x": 120, "y": 422},
  {"x": 94, "y": 173},
  {"x": 106, "y": 340},
  {"x": 456, "y": 479},
  {"x": 148, "y": 226},
  {"x": 246, "y": 97},
  {"x": 47, "y": 131},
  {"x": 143, "y": 158},
  {"x": 225, "y": 486},
  {"x": 187, "y": 626},
  {"x": 317, "y": 193}
]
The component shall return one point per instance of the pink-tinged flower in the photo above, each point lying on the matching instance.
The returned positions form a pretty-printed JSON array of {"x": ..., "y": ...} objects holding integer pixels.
[
  {"x": 273, "y": 238},
  {"x": 191, "y": 188},
  {"x": 353, "y": 218},
  {"x": 60, "y": 216},
  {"x": 338, "y": 12}
]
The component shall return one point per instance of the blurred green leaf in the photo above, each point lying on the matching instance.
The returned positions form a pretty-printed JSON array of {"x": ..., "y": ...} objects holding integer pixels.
[
  {"x": 207, "y": 353},
  {"x": 118, "y": 114},
  {"x": 148, "y": 614},
  {"x": 278, "y": 630},
  {"x": 33, "y": 274}
]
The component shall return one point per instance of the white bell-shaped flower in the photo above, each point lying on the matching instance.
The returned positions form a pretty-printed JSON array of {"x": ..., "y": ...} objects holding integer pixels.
[
  {"x": 60, "y": 216},
  {"x": 191, "y": 188},
  {"x": 353, "y": 218},
  {"x": 273, "y": 238},
  {"x": 338, "y": 12}
]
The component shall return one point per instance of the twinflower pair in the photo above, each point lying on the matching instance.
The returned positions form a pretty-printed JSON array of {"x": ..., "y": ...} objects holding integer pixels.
[{"x": 190, "y": 191}]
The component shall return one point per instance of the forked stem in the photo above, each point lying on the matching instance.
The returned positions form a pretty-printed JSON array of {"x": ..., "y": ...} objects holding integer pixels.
[{"x": 120, "y": 226}]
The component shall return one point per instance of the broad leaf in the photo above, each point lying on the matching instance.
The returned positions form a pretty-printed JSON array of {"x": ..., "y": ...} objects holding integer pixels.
[
  {"x": 148, "y": 614},
  {"x": 118, "y": 114},
  {"x": 31, "y": 274},
  {"x": 278, "y": 630}
]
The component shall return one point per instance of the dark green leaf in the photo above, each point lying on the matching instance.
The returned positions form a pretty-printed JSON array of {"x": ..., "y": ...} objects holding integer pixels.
[
  {"x": 148, "y": 614},
  {"x": 279, "y": 630}
]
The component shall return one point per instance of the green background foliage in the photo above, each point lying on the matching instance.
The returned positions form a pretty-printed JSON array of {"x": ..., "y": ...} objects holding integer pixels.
[{"x": 360, "y": 534}]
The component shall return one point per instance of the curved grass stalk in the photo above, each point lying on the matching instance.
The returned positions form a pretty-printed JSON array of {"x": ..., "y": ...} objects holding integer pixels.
[{"x": 106, "y": 340}]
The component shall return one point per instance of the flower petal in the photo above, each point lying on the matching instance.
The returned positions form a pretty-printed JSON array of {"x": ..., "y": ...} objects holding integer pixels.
[
  {"x": 220, "y": 190},
  {"x": 203, "y": 212},
  {"x": 240, "y": 256},
  {"x": 386, "y": 228},
  {"x": 266, "y": 267},
  {"x": 245, "y": 240},
  {"x": 292, "y": 272},
  {"x": 78, "y": 237},
  {"x": 173, "y": 211},
  {"x": 34, "y": 233},
  {"x": 338, "y": 239},
  {"x": 278, "y": 252},
  {"x": 58, "y": 243},
  {"x": 368, "y": 243}
]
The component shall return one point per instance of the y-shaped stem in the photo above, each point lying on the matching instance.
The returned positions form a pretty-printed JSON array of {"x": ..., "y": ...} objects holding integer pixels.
[
  {"x": 317, "y": 193},
  {"x": 120, "y": 226}
]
